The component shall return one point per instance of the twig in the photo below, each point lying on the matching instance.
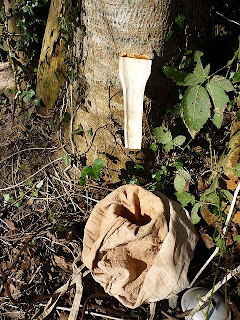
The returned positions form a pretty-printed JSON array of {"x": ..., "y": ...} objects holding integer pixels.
[
  {"x": 224, "y": 233},
  {"x": 230, "y": 20},
  {"x": 204, "y": 299},
  {"x": 29, "y": 149},
  {"x": 34, "y": 174}
]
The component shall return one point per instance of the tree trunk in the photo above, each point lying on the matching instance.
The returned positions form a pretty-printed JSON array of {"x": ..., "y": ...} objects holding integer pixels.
[
  {"x": 7, "y": 80},
  {"x": 113, "y": 28},
  {"x": 130, "y": 28}
]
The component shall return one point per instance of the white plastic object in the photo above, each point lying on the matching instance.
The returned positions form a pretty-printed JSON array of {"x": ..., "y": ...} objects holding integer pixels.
[
  {"x": 133, "y": 74},
  {"x": 217, "y": 310}
]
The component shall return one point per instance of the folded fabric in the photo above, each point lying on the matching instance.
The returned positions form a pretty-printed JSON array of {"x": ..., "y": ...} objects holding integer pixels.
[{"x": 139, "y": 245}]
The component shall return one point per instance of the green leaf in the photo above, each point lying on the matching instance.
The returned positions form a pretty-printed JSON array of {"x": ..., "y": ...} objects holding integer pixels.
[
  {"x": 179, "y": 183},
  {"x": 223, "y": 83},
  {"x": 237, "y": 172},
  {"x": 227, "y": 194},
  {"x": 37, "y": 102},
  {"x": 184, "y": 198},
  {"x": 184, "y": 174},
  {"x": 196, "y": 108},
  {"x": 35, "y": 193},
  {"x": 138, "y": 167},
  {"x": 161, "y": 135},
  {"x": 153, "y": 146},
  {"x": 168, "y": 36},
  {"x": 133, "y": 180},
  {"x": 179, "y": 164},
  {"x": 168, "y": 146},
  {"x": 21, "y": 194},
  {"x": 79, "y": 130},
  {"x": 96, "y": 168},
  {"x": 7, "y": 199},
  {"x": 237, "y": 239},
  {"x": 236, "y": 77},
  {"x": 219, "y": 97},
  {"x": 27, "y": 96},
  {"x": 209, "y": 195},
  {"x": 199, "y": 74},
  {"x": 66, "y": 159},
  {"x": 196, "y": 207},
  {"x": 195, "y": 218},
  {"x": 180, "y": 20},
  {"x": 177, "y": 76},
  {"x": 85, "y": 171},
  {"x": 179, "y": 140}
]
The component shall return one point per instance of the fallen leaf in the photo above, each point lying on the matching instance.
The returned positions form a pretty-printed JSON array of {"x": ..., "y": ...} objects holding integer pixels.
[
  {"x": 21, "y": 127},
  {"x": 209, "y": 217},
  {"x": 234, "y": 309},
  {"x": 61, "y": 263},
  {"x": 207, "y": 240},
  {"x": 10, "y": 225},
  {"x": 201, "y": 185},
  {"x": 236, "y": 218}
]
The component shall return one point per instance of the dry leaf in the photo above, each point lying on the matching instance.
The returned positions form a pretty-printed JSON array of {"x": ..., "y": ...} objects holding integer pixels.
[
  {"x": 30, "y": 202},
  {"x": 10, "y": 225},
  {"x": 201, "y": 185},
  {"x": 39, "y": 184},
  {"x": 21, "y": 127},
  {"x": 209, "y": 217},
  {"x": 234, "y": 309},
  {"x": 15, "y": 314},
  {"x": 207, "y": 240},
  {"x": 61, "y": 263},
  {"x": 236, "y": 218}
]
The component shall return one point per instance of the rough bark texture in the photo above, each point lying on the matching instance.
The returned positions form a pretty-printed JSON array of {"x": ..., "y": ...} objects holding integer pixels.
[
  {"x": 12, "y": 29},
  {"x": 128, "y": 28},
  {"x": 51, "y": 69},
  {"x": 7, "y": 80}
]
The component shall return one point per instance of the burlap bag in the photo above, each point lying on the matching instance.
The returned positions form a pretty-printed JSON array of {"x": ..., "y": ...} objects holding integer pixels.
[{"x": 138, "y": 245}]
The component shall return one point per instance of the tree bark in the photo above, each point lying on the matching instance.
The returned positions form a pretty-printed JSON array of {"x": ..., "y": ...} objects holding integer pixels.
[
  {"x": 130, "y": 28},
  {"x": 7, "y": 80},
  {"x": 113, "y": 28}
]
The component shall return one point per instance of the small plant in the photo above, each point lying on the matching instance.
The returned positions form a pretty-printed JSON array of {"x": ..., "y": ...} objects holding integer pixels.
[
  {"x": 164, "y": 137},
  {"x": 92, "y": 171},
  {"x": 206, "y": 95}
]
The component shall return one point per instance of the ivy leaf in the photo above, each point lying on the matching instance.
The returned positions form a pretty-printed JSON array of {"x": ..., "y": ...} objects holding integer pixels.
[
  {"x": 179, "y": 140},
  {"x": 27, "y": 96},
  {"x": 196, "y": 108},
  {"x": 199, "y": 74},
  {"x": 184, "y": 198},
  {"x": 217, "y": 92},
  {"x": 96, "y": 168},
  {"x": 180, "y": 21},
  {"x": 85, "y": 171},
  {"x": 161, "y": 135},
  {"x": 138, "y": 167},
  {"x": 179, "y": 183}
]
